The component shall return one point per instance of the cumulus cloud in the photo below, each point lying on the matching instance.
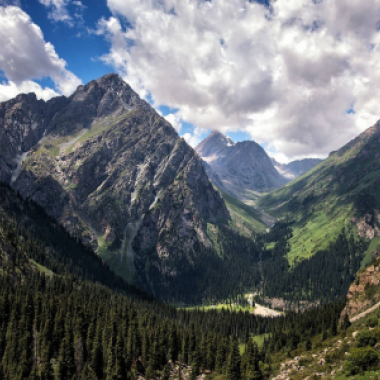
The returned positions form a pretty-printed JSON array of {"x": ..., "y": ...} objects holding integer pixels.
[
  {"x": 25, "y": 56},
  {"x": 194, "y": 138},
  {"x": 286, "y": 74},
  {"x": 175, "y": 120},
  {"x": 10, "y": 90}
]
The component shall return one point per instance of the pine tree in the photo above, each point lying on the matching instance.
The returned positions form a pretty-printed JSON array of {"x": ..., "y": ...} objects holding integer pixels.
[{"x": 234, "y": 360}]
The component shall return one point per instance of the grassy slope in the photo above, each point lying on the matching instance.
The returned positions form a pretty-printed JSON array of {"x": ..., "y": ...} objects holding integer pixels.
[
  {"x": 322, "y": 201},
  {"x": 245, "y": 219}
]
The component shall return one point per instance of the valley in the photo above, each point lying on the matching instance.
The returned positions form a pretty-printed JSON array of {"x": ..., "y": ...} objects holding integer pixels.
[{"x": 116, "y": 213}]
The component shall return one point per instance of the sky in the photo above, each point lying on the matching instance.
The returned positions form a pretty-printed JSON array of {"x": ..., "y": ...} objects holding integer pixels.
[{"x": 300, "y": 77}]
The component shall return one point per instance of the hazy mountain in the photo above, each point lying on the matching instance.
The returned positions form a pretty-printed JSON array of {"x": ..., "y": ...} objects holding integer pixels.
[
  {"x": 296, "y": 168},
  {"x": 116, "y": 174},
  {"x": 242, "y": 168}
]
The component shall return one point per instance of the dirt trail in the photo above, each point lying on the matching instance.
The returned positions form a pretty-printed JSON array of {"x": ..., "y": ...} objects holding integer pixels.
[
  {"x": 266, "y": 312},
  {"x": 364, "y": 313}
]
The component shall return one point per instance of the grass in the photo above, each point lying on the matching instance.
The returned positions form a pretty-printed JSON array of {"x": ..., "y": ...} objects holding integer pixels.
[
  {"x": 120, "y": 267},
  {"x": 374, "y": 245},
  {"x": 245, "y": 218},
  {"x": 221, "y": 306},
  {"x": 42, "y": 269},
  {"x": 258, "y": 339},
  {"x": 320, "y": 203}
]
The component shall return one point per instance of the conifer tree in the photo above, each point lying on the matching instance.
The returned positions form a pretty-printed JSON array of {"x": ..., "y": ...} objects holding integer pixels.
[{"x": 234, "y": 360}]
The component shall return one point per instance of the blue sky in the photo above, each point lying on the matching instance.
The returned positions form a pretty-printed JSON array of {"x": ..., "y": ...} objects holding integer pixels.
[
  {"x": 80, "y": 48},
  {"x": 297, "y": 76}
]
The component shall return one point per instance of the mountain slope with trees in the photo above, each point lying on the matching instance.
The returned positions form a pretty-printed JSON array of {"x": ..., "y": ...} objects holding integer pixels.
[{"x": 341, "y": 192}]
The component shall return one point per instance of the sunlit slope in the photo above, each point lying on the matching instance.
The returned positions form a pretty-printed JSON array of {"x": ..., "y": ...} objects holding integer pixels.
[
  {"x": 336, "y": 193},
  {"x": 244, "y": 218}
]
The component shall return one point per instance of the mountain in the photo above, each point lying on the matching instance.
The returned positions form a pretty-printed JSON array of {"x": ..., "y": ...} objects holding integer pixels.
[
  {"x": 242, "y": 169},
  {"x": 296, "y": 168},
  {"x": 341, "y": 192},
  {"x": 115, "y": 174}
]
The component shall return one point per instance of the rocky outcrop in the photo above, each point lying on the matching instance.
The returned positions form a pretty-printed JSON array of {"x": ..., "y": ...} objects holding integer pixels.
[
  {"x": 367, "y": 225},
  {"x": 364, "y": 292},
  {"x": 109, "y": 164},
  {"x": 23, "y": 122},
  {"x": 241, "y": 168}
]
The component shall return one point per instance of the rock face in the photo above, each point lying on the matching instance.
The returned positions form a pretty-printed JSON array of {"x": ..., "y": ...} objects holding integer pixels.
[
  {"x": 114, "y": 173},
  {"x": 242, "y": 168},
  {"x": 23, "y": 122},
  {"x": 364, "y": 293},
  {"x": 296, "y": 168}
]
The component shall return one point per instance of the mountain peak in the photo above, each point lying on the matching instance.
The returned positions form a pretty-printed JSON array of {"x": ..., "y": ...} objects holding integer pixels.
[
  {"x": 242, "y": 167},
  {"x": 214, "y": 144},
  {"x": 111, "y": 81}
]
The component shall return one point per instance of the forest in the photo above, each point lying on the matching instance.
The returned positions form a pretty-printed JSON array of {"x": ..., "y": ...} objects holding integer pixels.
[{"x": 65, "y": 315}]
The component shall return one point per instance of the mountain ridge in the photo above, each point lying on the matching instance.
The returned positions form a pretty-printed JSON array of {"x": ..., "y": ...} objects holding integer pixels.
[
  {"x": 109, "y": 168},
  {"x": 339, "y": 192}
]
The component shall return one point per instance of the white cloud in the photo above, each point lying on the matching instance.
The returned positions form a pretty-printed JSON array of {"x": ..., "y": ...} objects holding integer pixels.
[
  {"x": 10, "y": 90},
  {"x": 287, "y": 75},
  {"x": 25, "y": 56},
  {"x": 58, "y": 10},
  {"x": 175, "y": 121},
  {"x": 194, "y": 138}
]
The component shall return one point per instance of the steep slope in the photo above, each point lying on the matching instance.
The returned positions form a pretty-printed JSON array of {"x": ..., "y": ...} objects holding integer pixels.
[
  {"x": 342, "y": 191},
  {"x": 296, "y": 168},
  {"x": 23, "y": 122},
  {"x": 32, "y": 242},
  {"x": 116, "y": 174},
  {"x": 242, "y": 169}
]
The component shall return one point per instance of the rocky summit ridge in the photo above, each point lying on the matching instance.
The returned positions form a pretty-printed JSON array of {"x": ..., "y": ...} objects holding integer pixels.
[
  {"x": 242, "y": 168},
  {"x": 116, "y": 174}
]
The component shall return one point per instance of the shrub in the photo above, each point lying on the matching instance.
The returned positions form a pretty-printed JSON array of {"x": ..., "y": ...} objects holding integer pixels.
[
  {"x": 361, "y": 359},
  {"x": 372, "y": 321},
  {"x": 365, "y": 338}
]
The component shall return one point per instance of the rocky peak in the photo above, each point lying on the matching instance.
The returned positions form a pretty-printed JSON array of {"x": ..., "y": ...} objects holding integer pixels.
[
  {"x": 214, "y": 144},
  {"x": 239, "y": 167},
  {"x": 117, "y": 175}
]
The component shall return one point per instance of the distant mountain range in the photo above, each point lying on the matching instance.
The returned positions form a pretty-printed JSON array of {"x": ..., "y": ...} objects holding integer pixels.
[
  {"x": 244, "y": 169},
  {"x": 296, "y": 168}
]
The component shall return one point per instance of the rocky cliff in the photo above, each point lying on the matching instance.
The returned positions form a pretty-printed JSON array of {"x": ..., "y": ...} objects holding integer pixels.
[
  {"x": 364, "y": 294},
  {"x": 116, "y": 174},
  {"x": 242, "y": 168}
]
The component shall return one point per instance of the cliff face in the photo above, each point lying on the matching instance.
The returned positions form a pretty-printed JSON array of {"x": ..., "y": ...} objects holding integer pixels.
[
  {"x": 23, "y": 122},
  {"x": 243, "y": 168},
  {"x": 117, "y": 175},
  {"x": 364, "y": 293}
]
